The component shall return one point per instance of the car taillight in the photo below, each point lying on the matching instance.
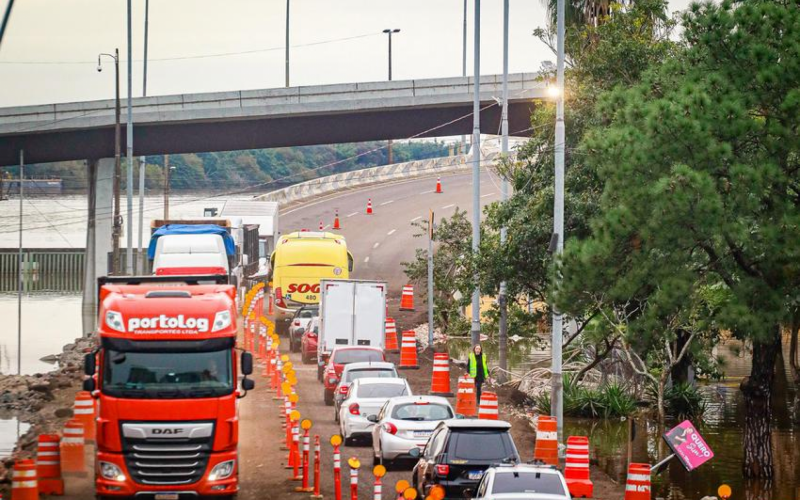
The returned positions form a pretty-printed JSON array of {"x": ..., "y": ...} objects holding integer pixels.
[
  {"x": 297, "y": 322},
  {"x": 344, "y": 389},
  {"x": 442, "y": 469},
  {"x": 353, "y": 409},
  {"x": 390, "y": 428}
]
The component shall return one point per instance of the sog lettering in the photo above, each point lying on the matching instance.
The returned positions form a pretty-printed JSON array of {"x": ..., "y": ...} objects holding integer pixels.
[
  {"x": 303, "y": 288},
  {"x": 179, "y": 323}
]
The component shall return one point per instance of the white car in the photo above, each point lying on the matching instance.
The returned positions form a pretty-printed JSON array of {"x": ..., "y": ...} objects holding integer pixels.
[
  {"x": 365, "y": 398},
  {"x": 354, "y": 371},
  {"x": 406, "y": 423},
  {"x": 522, "y": 482}
]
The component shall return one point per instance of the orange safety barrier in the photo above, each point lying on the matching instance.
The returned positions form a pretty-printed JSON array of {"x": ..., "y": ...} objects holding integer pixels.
[
  {"x": 271, "y": 306},
  {"x": 73, "y": 460},
  {"x": 440, "y": 380},
  {"x": 336, "y": 224},
  {"x": 438, "y": 185},
  {"x": 488, "y": 409},
  {"x": 407, "y": 299},
  {"x": 23, "y": 481},
  {"x": 638, "y": 484},
  {"x": 85, "y": 413},
  {"x": 369, "y": 206},
  {"x": 546, "y": 440},
  {"x": 408, "y": 351},
  {"x": 390, "y": 343},
  {"x": 317, "y": 459},
  {"x": 576, "y": 470},
  {"x": 48, "y": 465},
  {"x": 465, "y": 401}
]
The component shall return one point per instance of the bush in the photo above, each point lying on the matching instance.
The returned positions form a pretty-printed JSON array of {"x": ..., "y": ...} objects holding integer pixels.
[
  {"x": 607, "y": 401},
  {"x": 683, "y": 401}
]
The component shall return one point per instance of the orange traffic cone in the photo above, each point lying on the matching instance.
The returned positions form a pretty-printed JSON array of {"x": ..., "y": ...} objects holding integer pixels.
[
  {"x": 408, "y": 351},
  {"x": 390, "y": 343},
  {"x": 72, "y": 445},
  {"x": 576, "y": 470},
  {"x": 48, "y": 465},
  {"x": 23, "y": 481},
  {"x": 465, "y": 403},
  {"x": 440, "y": 380},
  {"x": 407, "y": 299},
  {"x": 336, "y": 224},
  {"x": 438, "y": 185},
  {"x": 546, "y": 440},
  {"x": 84, "y": 413},
  {"x": 488, "y": 408},
  {"x": 271, "y": 307},
  {"x": 638, "y": 485},
  {"x": 369, "y": 206}
]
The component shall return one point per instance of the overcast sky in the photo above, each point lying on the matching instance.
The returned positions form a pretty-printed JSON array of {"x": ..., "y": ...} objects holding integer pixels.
[{"x": 49, "y": 53}]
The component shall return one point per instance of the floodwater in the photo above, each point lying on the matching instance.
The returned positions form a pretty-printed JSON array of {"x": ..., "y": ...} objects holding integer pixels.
[
  {"x": 721, "y": 426},
  {"x": 10, "y": 431}
]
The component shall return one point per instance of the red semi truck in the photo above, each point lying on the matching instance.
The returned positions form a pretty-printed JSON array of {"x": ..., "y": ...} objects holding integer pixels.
[{"x": 166, "y": 379}]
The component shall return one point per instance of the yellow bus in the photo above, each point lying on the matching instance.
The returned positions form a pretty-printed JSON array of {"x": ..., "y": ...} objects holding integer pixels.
[{"x": 299, "y": 261}]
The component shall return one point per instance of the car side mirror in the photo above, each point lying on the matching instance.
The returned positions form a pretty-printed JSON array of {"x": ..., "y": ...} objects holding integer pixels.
[
  {"x": 247, "y": 363},
  {"x": 89, "y": 385},
  {"x": 89, "y": 364},
  {"x": 373, "y": 418},
  {"x": 414, "y": 452},
  {"x": 248, "y": 384}
]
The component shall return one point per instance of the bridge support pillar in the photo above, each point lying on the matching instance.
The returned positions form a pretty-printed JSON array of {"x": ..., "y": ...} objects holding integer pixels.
[{"x": 100, "y": 215}]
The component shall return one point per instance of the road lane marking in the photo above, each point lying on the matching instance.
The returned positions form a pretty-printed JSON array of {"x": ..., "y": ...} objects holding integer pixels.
[
  {"x": 376, "y": 245},
  {"x": 487, "y": 194},
  {"x": 427, "y": 192},
  {"x": 354, "y": 213},
  {"x": 326, "y": 227},
  {"x": 448, "y": 206},
  {"x": 387, "y": 202},
  {"x": 391, "y": 232},
  {"x": 415, "y": 219},
  {"x": 366, "y": 259}
]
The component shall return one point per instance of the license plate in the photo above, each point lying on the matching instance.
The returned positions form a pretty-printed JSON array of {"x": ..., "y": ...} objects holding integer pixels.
[
  {"x": 422, "y": 434},
  {"x": 167, "y": 496},
  {"x": 475, "y": 474}
]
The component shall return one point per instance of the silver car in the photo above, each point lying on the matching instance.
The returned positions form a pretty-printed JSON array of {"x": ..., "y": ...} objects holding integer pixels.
[
  {"x": 522, "y": 482},
  {"x": 406, "y": 423},
  {"x": 355, "y": 371},
  {"x": 365, "y": 399}
]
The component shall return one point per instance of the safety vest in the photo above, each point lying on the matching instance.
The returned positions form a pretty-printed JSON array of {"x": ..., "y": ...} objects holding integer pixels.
[{"x": 473, "y": 366}]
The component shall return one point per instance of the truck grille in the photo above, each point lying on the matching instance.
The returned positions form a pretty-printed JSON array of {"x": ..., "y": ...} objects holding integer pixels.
[{"x": 155, "y": 460}]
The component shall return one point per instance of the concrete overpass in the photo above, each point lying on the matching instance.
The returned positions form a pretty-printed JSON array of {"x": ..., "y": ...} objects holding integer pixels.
[{"x": 250, "y": 119}]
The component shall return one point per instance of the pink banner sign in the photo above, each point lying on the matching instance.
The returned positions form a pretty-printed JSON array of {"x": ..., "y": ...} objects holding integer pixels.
[{"x": 688, "y": 445}]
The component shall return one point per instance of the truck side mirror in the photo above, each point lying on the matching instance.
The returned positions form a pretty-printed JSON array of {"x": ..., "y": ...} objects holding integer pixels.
[
  {"x": 248, "y": 384},
  {"x": 414, "y": 452},
  {"x": 245, "y": 259},
  {"x": 372, "y": 418},
  {"x": 89, "y": 364},
  {"x": 89, "y": 385},
  {"x": 247, "y": 363}
]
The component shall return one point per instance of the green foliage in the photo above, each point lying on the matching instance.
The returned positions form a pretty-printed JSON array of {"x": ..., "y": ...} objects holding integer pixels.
[
  {"x": 606, "y": 401},
  {"x": 684, "y": 402}
]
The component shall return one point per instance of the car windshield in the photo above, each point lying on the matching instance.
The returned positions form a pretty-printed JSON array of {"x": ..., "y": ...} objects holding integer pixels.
[
  {"x": 421, "y": 412},
  {"x": 381, "y": 390},
  {"x": 167, "y": 375},
  {"x": 481, "y": 446},
  {"x": 370, "y": 372},
  {"x": 529, "y": 482},
  {"x": 355, "y": 355}
]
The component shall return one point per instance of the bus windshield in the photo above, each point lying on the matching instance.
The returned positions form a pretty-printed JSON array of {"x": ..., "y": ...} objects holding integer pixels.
[{"x": 167, "y": 375}]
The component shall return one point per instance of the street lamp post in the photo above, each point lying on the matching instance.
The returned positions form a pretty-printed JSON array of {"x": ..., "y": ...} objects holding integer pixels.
[
  {"x": 475, "y": 326},
  {"x": 390, "y": 32},
  {"x": 502, "y": 299},
  {"x": 117, "y": 229},
  {"x": 142, "y": 261},
  {"x": 287, "y": 42},
  {"x": 464, "y": 66},
  {"x": 129, "y": 147}
]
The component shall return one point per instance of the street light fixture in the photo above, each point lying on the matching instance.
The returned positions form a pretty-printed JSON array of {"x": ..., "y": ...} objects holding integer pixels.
[
  {"x": 390, "y": 31},
  {"x": 117, "y": 222}
]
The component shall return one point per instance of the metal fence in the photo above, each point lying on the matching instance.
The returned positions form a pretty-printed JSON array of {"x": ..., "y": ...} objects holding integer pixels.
[{"x": 44, "y": 269}]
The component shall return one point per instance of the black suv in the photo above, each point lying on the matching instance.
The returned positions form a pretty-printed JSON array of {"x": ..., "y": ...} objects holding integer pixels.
[
  {"x": 459, "y": 451},
  {"x": 300, "y": 320}
]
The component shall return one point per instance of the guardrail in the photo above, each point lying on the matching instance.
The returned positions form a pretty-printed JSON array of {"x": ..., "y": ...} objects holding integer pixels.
[{"x": 44, "y": 269}]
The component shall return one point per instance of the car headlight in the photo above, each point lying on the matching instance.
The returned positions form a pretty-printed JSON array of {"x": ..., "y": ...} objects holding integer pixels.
[
  {"x": 114, "y": 321},
  {"x": 222, "y": 470},
  {"x": 221, "y": 320},
  {"x": 111, "y": 472}
]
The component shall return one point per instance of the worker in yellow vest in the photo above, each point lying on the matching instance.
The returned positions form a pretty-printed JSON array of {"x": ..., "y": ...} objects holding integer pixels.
[{"x": 477, "y": 369}]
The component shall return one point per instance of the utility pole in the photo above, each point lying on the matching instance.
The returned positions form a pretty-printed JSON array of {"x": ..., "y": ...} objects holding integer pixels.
[
  {"x": 502, "y": 299},
  {"x": 117, "y": 222},
  {"x": 143, "y": 159},
  {"x": 287, "y": 42},
  {"x": 389, "y": 32},
  {"x": 166, "y": 187},
  {"x": 556, "y": 395},
  {"x": 6, "y": 17},
  {"x": 129, "y": 144},
  {"x": 475, "y": 327},
  {"x": 430, "y": 278},
  {"x": 464, "y": 68},
  {"x": 20, "y": 277}
]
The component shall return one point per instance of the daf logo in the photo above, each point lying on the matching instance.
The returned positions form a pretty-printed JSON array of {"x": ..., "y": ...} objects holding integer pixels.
[{"x": 166, "y": 431}]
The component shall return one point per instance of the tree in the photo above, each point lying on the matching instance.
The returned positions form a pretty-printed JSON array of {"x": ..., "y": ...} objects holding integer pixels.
[{"x": 699, "y": 164}]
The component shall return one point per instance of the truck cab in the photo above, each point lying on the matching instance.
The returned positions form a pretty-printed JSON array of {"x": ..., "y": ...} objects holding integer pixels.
[{"x": 166, "y": 375}]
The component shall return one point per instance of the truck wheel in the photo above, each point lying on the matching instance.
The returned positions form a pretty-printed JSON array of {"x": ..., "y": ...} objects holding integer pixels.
[
  {"x": 319, "y": 373},
  {"x": 328, "y": 398}
]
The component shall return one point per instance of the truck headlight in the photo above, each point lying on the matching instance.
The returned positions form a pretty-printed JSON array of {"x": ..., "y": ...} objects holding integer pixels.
[
  {"x": 222, "y": 470},
  {"x": 114, "y": 321},
  {"x": 221, "y": 320},
  {"x": 111, "y": 471}
]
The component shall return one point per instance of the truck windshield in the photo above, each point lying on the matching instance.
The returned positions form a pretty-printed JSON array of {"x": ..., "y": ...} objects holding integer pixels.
[{"x": 167, "y": 375}]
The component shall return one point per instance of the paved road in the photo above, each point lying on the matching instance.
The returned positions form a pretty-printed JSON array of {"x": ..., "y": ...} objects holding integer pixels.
[{"x": 379, "y": 242}]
